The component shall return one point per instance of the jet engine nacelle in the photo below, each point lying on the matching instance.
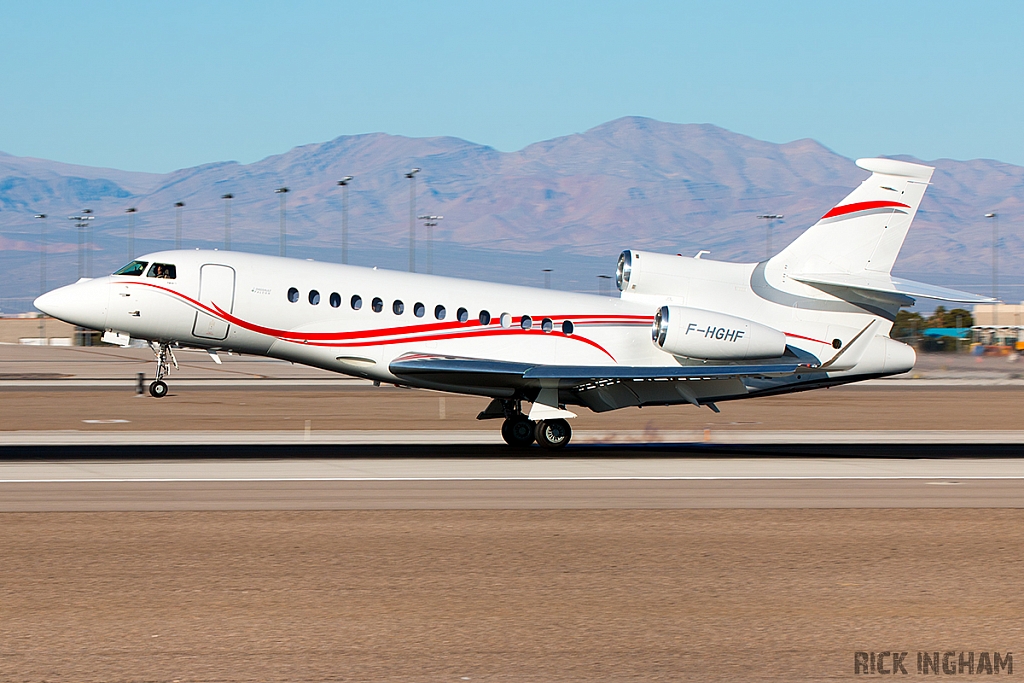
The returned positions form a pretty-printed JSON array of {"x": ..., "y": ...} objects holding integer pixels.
[
  {"x": 644, "y": 272},
  {"x": 706, "y": 335}
]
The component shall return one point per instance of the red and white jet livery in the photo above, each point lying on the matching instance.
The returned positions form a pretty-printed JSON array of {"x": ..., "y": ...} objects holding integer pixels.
[{"x": 682, "y": 331}]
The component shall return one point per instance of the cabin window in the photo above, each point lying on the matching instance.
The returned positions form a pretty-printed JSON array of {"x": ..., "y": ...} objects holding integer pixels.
[
  {"x": 166, "y": 271},
  {"x": 546, "y": 324},
  {"x": 439, "y": 312},
  {"x": 357, "y": 302},
  {"x": 314, "y": 297},
  {"x": 485, "y": 318},
  {"x": 526, "y": 322},
  {"x": 377, "y": 304},
  {"x": 335, "y": 299},
  {"x": 419, "y": 310},
  {"x": 293, "y": 294},
  {"x": 567, "y": 327},
  {"x": 133, "y": 268},
  {"x": 506, "y": 320},
  {"x": 398, "y": 307},
  {"x": 463, "y": 315}
]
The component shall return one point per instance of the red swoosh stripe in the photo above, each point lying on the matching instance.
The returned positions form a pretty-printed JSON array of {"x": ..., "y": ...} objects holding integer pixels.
[
  {"x": 409, "y": 333},
  {"x": 800, "y": 336},
  {"x": 863, "y": 206},
  {"x": 497, "y": 331}
]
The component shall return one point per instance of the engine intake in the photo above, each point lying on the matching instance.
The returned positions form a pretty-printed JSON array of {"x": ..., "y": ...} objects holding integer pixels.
[{"x": 706, "y": 335}]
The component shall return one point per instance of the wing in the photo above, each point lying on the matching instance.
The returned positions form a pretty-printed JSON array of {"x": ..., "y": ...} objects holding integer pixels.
[
  {"x": 448, "y": 368},
  {"x": 594, "y": 385}
]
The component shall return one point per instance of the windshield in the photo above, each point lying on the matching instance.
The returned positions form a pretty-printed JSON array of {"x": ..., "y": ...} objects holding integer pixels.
[{"x": 133, "y": 268}]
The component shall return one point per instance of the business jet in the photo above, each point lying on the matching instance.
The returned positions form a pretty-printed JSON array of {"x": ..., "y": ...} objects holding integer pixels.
[{"x": 684, "y": 330}]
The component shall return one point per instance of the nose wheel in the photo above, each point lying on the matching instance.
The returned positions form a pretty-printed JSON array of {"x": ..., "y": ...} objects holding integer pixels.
[{"x": 164, "y": 359}]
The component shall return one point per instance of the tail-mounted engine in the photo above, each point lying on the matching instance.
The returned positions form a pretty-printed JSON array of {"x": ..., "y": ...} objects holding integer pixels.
[
  {"x": 644, "y": 272},
  {"x": 706, "y": 335}
]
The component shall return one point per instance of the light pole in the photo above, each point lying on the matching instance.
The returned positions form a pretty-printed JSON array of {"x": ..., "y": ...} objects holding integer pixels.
[
  {"x": 282, "y": 191},
  {"x": 42, "y": 271},
  {"x": 995, "y": 269},
  {"x": 547, "y": 278},
  {"x": 771, "y": 218},
  {"x": 227, "y": 220},
  {"x": 81, "y": 222},
  {"x": 178, "y": 206},
  {"x": 131, "y": 231},
  {"x": 411, "y": 175},
  {"x": 88, "y": 245},
  {"x": 343, "y": 183},
  {"x": 602, "y": 284},
  {"x": 430, "y": 222}
]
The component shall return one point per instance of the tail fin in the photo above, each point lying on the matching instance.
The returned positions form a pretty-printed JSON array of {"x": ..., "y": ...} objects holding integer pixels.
[{"x": 865, "y": 231}]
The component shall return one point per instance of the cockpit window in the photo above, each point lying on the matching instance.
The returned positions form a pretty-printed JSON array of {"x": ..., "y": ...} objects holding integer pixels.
[
  {"x": 134, "y": 268},
  {"x": 163, "y": 270}
]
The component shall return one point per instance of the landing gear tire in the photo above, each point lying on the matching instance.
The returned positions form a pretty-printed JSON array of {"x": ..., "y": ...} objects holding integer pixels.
[
  {"x": 158, "y": 389},
  {"x": 553, "y": 434},
  {"x": 518, "y": 431}
]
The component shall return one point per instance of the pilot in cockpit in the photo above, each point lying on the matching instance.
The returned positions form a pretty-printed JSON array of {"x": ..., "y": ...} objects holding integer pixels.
[{"x": 162, "y": 270}]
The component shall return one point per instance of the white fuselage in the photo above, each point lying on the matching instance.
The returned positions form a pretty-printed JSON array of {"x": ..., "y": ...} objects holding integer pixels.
[{"x": 244, "y": 303}]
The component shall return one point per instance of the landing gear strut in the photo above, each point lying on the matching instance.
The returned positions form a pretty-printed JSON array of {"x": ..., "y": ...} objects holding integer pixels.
[{"x": 164, "y": 359}]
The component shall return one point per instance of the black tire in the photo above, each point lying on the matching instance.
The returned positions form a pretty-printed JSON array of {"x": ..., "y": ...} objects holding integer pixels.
[
  {"x": 158, "y": 389},
  {"x": 553, "y": 434},
  {"x": 518, "y": 431}
]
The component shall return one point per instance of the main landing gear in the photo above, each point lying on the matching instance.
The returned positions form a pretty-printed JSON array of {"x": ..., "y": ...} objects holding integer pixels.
[
  {"x": 164, "y": 359},
  {"x": 520, "y": 431}
]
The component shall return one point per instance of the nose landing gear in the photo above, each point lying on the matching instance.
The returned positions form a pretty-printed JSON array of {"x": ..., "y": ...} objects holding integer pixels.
[{"x": 164, "y": 359}]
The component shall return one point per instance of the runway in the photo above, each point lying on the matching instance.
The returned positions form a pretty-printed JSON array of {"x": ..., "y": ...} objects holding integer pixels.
[
  {"x": 508, "y": 483},
  {"x": 623, "y": 438},
  {"x": 269, "y": 522}
]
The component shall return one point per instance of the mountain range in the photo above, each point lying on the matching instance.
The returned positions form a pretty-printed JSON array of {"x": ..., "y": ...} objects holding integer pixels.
[{"x": 570, "y": 204}]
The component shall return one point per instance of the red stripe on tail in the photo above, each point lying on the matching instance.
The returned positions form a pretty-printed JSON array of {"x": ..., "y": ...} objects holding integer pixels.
[{"x": 863, "y": 206}]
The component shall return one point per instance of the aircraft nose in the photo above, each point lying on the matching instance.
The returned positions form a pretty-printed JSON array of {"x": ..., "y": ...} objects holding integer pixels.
[
  {"x": 83, "y": 303},
  {"x": 51, "y": 302}
]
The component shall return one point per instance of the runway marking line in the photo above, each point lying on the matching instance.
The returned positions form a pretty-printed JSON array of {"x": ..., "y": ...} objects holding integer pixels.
[{"x": 266, "y": 480}]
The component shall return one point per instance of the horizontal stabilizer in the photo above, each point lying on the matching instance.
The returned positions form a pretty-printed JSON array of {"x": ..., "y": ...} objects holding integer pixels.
[{"x": 885, "y": 287}]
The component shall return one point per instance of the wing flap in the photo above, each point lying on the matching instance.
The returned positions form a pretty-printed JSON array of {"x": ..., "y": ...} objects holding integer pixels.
[{"x": 626, "y": 372}]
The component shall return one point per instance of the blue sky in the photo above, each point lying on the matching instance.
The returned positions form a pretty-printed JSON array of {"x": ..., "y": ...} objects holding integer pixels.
[{"x": 157, "y": 86}]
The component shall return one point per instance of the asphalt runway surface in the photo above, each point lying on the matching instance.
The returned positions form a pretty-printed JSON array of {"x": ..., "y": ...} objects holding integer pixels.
[
  {"x": 502, "y": 569},
  {"x": 508, "y": 483},
  {"x": 502, "y": 595}
]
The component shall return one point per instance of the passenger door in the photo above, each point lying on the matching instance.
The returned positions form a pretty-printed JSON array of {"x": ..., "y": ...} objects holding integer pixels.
[{"x": 216, "y": 287}]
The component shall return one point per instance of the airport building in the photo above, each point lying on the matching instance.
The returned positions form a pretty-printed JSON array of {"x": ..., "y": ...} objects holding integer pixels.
[
  {"x": 998, "y": 324},
  {"x": 39, "y": 330}
]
